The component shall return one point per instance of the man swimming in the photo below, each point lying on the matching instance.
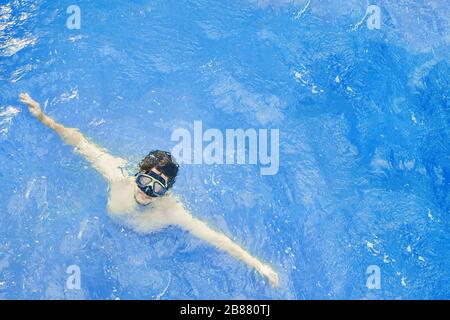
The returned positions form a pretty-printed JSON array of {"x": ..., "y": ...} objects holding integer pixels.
[{"x": 142, "y": 201}]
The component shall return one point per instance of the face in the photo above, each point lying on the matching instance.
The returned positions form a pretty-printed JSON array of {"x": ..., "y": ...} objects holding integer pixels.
[{"x": 141, "y": 197}]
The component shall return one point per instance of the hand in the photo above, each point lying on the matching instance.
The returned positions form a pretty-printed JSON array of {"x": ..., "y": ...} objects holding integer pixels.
[
  {"x": 33, "y": 106},
  {"x": 273, "y": 278},
  {"x": 270, "y": 274}
]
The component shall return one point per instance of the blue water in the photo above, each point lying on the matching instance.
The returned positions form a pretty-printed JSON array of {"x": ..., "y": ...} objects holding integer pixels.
[{"x": 364, "y": 120}]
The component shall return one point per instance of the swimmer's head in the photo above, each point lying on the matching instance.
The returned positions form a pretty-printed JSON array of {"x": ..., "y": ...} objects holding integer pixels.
[{"x": 157, "y": 173}]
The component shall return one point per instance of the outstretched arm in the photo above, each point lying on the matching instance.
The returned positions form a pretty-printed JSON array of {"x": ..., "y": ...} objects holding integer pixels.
[
  {"x": 201, "y": 230},
  {"x": 168, "y": 210},
  {"x": 101, "y": 160}
]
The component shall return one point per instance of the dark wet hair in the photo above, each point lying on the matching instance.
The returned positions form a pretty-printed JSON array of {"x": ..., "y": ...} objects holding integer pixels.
[{"x": 162, "y": 161}]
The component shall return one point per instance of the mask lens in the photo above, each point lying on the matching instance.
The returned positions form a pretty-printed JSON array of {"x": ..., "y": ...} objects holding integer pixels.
[
  {"x": 157, "y": 188},
  {"x": 144, "y": 181}
]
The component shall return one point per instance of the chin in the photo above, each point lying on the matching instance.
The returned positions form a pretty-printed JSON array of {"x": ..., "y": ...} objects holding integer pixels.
[{"x": 142, "y": 199}]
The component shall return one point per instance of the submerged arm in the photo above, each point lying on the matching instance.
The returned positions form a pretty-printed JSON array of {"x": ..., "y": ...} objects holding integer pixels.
[
  {"x": 168, "y": 210},
  {"x": 201, "y": 230},
  {"x": 102, "y": 161}
]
